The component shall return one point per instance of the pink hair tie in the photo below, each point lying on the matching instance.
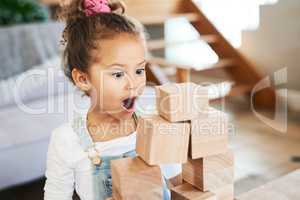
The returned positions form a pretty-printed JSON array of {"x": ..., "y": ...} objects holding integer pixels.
[{"x": 93, "y": 7}]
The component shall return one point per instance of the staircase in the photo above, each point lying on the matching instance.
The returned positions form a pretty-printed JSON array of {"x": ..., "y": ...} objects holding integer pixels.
[{"x": 243, "y": 73}]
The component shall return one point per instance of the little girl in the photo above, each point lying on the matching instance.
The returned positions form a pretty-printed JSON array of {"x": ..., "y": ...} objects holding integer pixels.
[{"x": 105, "y": 58}]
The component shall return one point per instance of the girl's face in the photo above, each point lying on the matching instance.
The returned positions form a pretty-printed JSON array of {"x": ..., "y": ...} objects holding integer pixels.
[{"x": 118, "y": 75}]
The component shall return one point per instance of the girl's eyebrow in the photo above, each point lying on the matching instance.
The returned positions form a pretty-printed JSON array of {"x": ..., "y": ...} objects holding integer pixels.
[
  {"x": 122, "y": 65},
  {"x": 141, "y": 63}
]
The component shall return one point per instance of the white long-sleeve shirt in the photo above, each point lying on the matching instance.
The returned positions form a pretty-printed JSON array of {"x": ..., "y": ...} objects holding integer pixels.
[{"x": 68, "y": 166}]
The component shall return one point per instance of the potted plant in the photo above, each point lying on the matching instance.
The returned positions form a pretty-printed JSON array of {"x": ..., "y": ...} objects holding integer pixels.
[{"x": 21, "y": 11}]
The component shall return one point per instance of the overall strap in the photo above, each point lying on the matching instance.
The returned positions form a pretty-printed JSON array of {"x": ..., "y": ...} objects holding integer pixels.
[
  {"x": 86, "y": 141},
  {"x": 79, "y": 126}
]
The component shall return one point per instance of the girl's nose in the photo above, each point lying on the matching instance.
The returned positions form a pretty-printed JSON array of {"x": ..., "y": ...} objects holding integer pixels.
[
  {"x": 132, "y": 89},
  {"x": 132, "y": 83},
  {"x": 132, "y": 86}
]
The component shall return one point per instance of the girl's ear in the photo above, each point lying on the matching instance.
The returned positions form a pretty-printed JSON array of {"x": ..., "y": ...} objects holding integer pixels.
[{"x": 81, "y": 80}]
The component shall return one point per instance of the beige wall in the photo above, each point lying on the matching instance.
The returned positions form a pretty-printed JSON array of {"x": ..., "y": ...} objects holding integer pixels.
[{"x": 276, "y": 44}]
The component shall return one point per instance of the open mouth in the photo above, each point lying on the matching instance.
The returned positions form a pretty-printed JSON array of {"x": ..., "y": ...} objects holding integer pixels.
[{"x": 128, "y": 103}]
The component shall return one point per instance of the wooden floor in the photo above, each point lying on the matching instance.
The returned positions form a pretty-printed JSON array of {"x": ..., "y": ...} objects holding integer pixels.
[{"x": 262, "y": 153}]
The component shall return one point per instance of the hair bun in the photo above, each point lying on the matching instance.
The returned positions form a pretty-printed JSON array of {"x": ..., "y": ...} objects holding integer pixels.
[
  {"x": 70, "y": 10},
  {"x": 116, "y": 6},
  {"x": 73, "y": 9}
]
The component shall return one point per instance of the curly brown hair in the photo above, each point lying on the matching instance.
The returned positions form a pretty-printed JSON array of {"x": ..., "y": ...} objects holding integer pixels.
[{"x": 83, "y": 34}]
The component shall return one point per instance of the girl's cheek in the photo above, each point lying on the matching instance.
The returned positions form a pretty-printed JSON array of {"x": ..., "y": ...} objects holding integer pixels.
[
  {"x": 108, "y": 82},
  {"x": 115, "y": 87}
]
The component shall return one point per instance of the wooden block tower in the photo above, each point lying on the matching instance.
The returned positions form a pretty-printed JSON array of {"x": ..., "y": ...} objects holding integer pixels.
[{"x": 186, "y": 131}]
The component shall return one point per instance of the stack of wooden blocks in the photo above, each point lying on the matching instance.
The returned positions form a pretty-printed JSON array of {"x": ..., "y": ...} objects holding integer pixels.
[{"x": 187, "y": 131}]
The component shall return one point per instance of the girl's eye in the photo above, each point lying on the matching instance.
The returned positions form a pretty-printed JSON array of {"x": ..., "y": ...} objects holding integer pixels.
[
  {"x": 118, "y": 74},
  {"x": 140, "y": 71}
]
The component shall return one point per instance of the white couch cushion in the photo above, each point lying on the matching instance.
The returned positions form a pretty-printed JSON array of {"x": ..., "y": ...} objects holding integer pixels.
[{"x": 40, "y": 81}]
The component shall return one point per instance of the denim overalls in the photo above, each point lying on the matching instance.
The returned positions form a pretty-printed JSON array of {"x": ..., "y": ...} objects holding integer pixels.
[{"x": 102, "y": 182}]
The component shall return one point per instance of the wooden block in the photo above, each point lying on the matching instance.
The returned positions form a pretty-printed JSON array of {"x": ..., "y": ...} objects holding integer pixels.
[
  {"x": 133, "y": 179},
  {"x": 225, "y": 192},
  {"x": 187, "y": 192},
  {"x": 162, "y": 142},
  {"x": 181, "y": 101},
  {"x": 115, "y": 193},
  {"x": 209, "y": 134},
  {"x": 211, "y": 172},
  {"x": 175, "y": 181}
]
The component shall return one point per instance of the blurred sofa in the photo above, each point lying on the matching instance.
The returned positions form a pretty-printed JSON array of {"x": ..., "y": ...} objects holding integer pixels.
[{"x": 33, "y": 95}]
